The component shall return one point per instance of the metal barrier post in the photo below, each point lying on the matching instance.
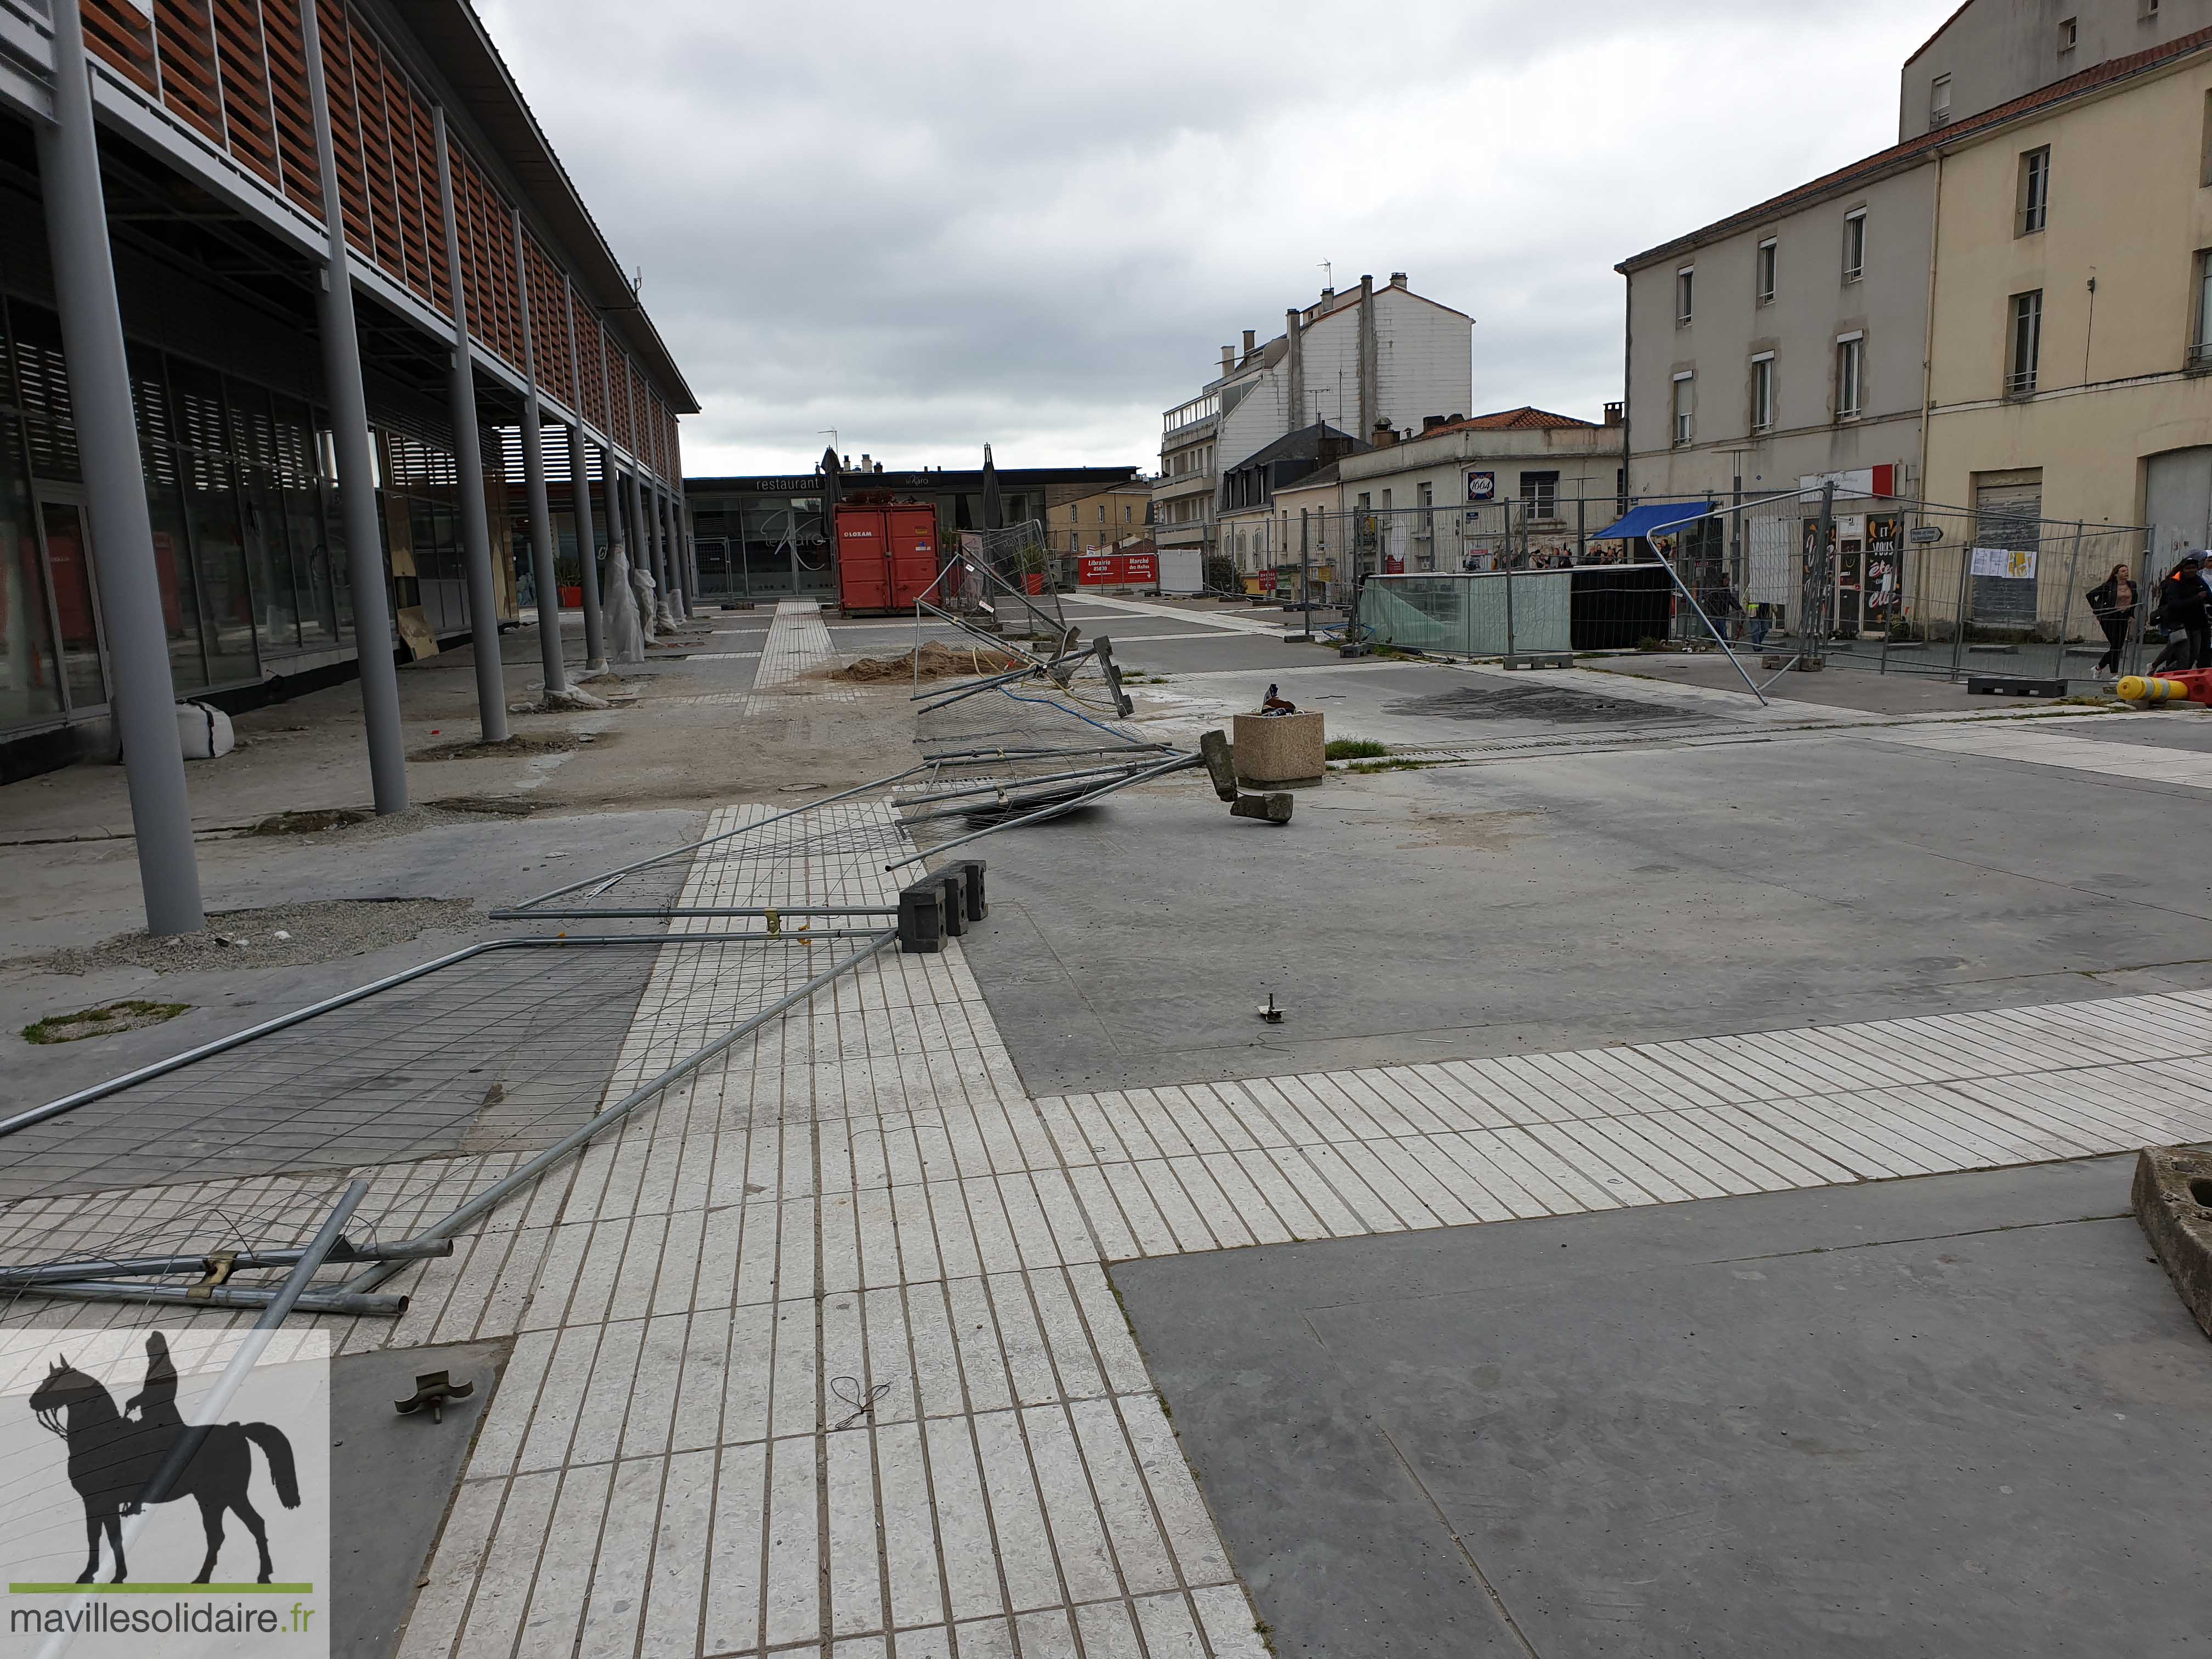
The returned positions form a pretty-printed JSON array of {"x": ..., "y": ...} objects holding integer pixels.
[
  {"x": 1305, "y": 576},
  {"x": 1959, "y": 617},
  {"x": 2066, "y": 611}
]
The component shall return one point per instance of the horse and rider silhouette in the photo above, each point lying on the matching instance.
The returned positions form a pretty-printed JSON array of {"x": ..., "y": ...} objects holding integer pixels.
[{"x": 113, "y": 1455}]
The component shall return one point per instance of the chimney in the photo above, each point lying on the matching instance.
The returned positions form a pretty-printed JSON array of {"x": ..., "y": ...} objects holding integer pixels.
[
  {"x": 1431, "y": 422},
  {"x": 1384, "y": 435},
  {"x": 1251, "y": 337},
  {"x": 864, "y": 467},
  {"x": 1228, "y": 358},
  {"x": 1327, "y": 294},
  {"x": 1612, "y": 415},
  {"x": 1397, "y": 279}
]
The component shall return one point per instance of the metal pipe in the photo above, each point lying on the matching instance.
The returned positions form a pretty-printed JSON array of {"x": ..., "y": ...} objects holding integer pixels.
[
  {"x": 1181, "y": 763},
  {"x": 468, "y": 463},
  {"x": 545, "y": 570},
  {"x": 490, "y": 1199},
  {"x": 1005, "y": 786},
  {"x": 282, "y": 1300},
  {"x": 122, "y": 539},
  {"x": 333, "y": 1301},
  {"x": 341, "y": 344},
  {"x": 148, "y": 1267},
  {"x": 161, "y": 1067},
  {"x": 1034, "y": 754},
  {"x": 700, "y": 910},
  {"x": 607, "y": 878}
]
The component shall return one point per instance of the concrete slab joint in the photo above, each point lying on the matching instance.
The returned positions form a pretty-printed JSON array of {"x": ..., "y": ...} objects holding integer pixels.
[{"x": 2173, "y": 1198}]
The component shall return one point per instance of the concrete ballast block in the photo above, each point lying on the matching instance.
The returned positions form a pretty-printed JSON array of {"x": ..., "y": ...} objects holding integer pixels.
[
  {"x": 1280, "y": 748},
  {"x": 2174, "y": 1203}
]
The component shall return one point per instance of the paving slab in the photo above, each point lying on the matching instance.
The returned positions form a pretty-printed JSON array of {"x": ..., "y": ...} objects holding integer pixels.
[
  {"x": 392, "y": 1480},
  {"x": 1941, "y": 1416}
]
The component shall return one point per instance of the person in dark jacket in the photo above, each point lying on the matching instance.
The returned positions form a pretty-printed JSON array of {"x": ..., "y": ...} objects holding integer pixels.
[
  {"x": 2112, "y": 602},
  {"x": 2182, "y": 602}
]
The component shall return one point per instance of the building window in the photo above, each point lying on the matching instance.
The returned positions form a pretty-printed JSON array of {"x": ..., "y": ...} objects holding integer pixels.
[
  {"x": 2200, "y": 349},
  {"x": 1539, "y": 493},
  {"x": 1763, "y": 282},
  {"x": 2026, "y": 342},
  {"x": 2146, "y": 11},
  {"x": 2034, "y": 192},
  {"x": 1854, "y": 246},
  {"x": 2069, "y": 35},
  {"x": 1762, "y": 391},
  {"x": 1685, "y": 406},
  {"x": 1685, "y": 290},
  {"x": 1851, "y": 376},
  {"x": 1939, "y": 101}
]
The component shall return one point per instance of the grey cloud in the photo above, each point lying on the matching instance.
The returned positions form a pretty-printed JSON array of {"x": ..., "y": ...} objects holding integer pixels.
[{"x": 933, "y": 228}]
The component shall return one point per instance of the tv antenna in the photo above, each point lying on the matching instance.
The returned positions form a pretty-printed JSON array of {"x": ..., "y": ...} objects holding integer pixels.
[{"x": 1328, "y": 275}]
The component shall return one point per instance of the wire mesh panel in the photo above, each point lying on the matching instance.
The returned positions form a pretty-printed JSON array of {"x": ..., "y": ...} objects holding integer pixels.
[{"x": 1505, "y": 612}]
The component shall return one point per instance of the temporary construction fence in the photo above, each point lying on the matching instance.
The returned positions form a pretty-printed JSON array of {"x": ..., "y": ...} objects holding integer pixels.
[
  {"x": 1508, "y": 613},
  {"x": 471, "y": 1077},
  {"x": 1922, "y": 587},
  {"x": 1323, "y": 555}
]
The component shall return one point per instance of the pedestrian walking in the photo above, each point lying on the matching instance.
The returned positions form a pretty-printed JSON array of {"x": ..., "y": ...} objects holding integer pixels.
[
  {"x": 2185, "y": 611},
  {"x": 1758, "y": 625},
  {"x": 1723, "y": 607},
  {"x": 2112, "y": 602}
]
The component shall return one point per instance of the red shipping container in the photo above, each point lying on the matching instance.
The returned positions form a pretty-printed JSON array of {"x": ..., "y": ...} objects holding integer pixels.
[{"x": 886, "y": 556}]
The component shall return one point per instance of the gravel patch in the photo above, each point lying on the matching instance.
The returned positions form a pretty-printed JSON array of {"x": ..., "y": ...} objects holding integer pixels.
[
  {"x": 320, "y": 932},
  {"x": 469, "y": 749}
]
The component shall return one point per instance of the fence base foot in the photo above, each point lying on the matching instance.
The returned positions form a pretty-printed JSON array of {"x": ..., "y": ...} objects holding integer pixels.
[
  {"x": 2007, "y": 685},
  {"x": 1541, "y": 659}
]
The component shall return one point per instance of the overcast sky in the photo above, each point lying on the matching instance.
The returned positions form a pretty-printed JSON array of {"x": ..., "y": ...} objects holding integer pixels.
[{"x": 933, "y": 227}]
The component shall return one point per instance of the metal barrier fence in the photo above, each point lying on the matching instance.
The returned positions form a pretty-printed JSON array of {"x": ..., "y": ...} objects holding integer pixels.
[
  {"x": 1508, "y": 612},
  {"x": 1921, "y": 587}
]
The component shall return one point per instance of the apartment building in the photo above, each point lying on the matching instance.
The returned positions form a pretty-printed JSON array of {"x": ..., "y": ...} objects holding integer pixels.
[
  {"x": 1525, "y": 479},
  {"x": 1788, "y": 340},
  {"x": 1989, "y": 52},
  {"x": 1369, "y": 357},
  {"x": 1101, "y": 518},
  {"x": 2072, "y": 364}
]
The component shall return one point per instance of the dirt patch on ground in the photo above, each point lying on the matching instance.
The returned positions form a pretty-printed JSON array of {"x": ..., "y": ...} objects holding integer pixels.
[
  {"x": 1485, "y": 832},
  {"x": 276, "y": 936},
  {"x": 552, "y": 743},
  {"x": 936, "y": 662},
  {"x": 129, "y": 1016},
  {"x": 310, "y": 824}
]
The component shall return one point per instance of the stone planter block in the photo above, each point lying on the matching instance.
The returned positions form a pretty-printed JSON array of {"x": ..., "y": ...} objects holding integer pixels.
[{"x": 1280, "y": 748}]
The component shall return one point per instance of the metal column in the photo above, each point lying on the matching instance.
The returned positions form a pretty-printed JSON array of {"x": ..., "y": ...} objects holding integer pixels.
[
  {"x": 580, "y": 497},
  {"x": 372, "y": 613},
  {"x": 468, "y": 460},
  {"x": 545, "y": 574},
  {"x": 144, "y": 697}
]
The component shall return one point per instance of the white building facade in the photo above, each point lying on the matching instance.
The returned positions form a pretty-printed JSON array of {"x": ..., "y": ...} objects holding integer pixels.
[{"x": 1371, "y": 356}]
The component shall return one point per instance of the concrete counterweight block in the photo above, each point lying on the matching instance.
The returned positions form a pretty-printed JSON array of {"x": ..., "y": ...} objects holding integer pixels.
[
  {"x": 2173, "y": 1202},
  {"x": 1274, "y": 749},
  {"x": 921, "y": 917}
]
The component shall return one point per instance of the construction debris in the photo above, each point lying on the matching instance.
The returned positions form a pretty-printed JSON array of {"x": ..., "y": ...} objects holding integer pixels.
[{"x": 930, "y": 661}]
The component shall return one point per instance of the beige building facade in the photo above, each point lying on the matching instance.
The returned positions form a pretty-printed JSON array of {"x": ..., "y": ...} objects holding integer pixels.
[
  {"x": 2071, "y": 324},
  {"x": 1100, "y": 519}
]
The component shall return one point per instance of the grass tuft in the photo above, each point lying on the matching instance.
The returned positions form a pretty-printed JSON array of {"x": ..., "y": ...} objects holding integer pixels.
[{"x": 1356, "y": 749}]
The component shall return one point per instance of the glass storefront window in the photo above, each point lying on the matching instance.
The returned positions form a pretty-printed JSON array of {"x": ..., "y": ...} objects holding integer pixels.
[
  {"x": 180, "y": 612},
  {"x": 68, "y": 566},
  {"x": 219, "y": 553},
  {"x": 30, "y": 683},
  {"x": 261, "y": 509},
  {"x": 310, "y": 551}
]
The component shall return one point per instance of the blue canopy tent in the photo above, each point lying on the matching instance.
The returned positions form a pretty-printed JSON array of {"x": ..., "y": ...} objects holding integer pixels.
[{"x": 1641, "y": 522}]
